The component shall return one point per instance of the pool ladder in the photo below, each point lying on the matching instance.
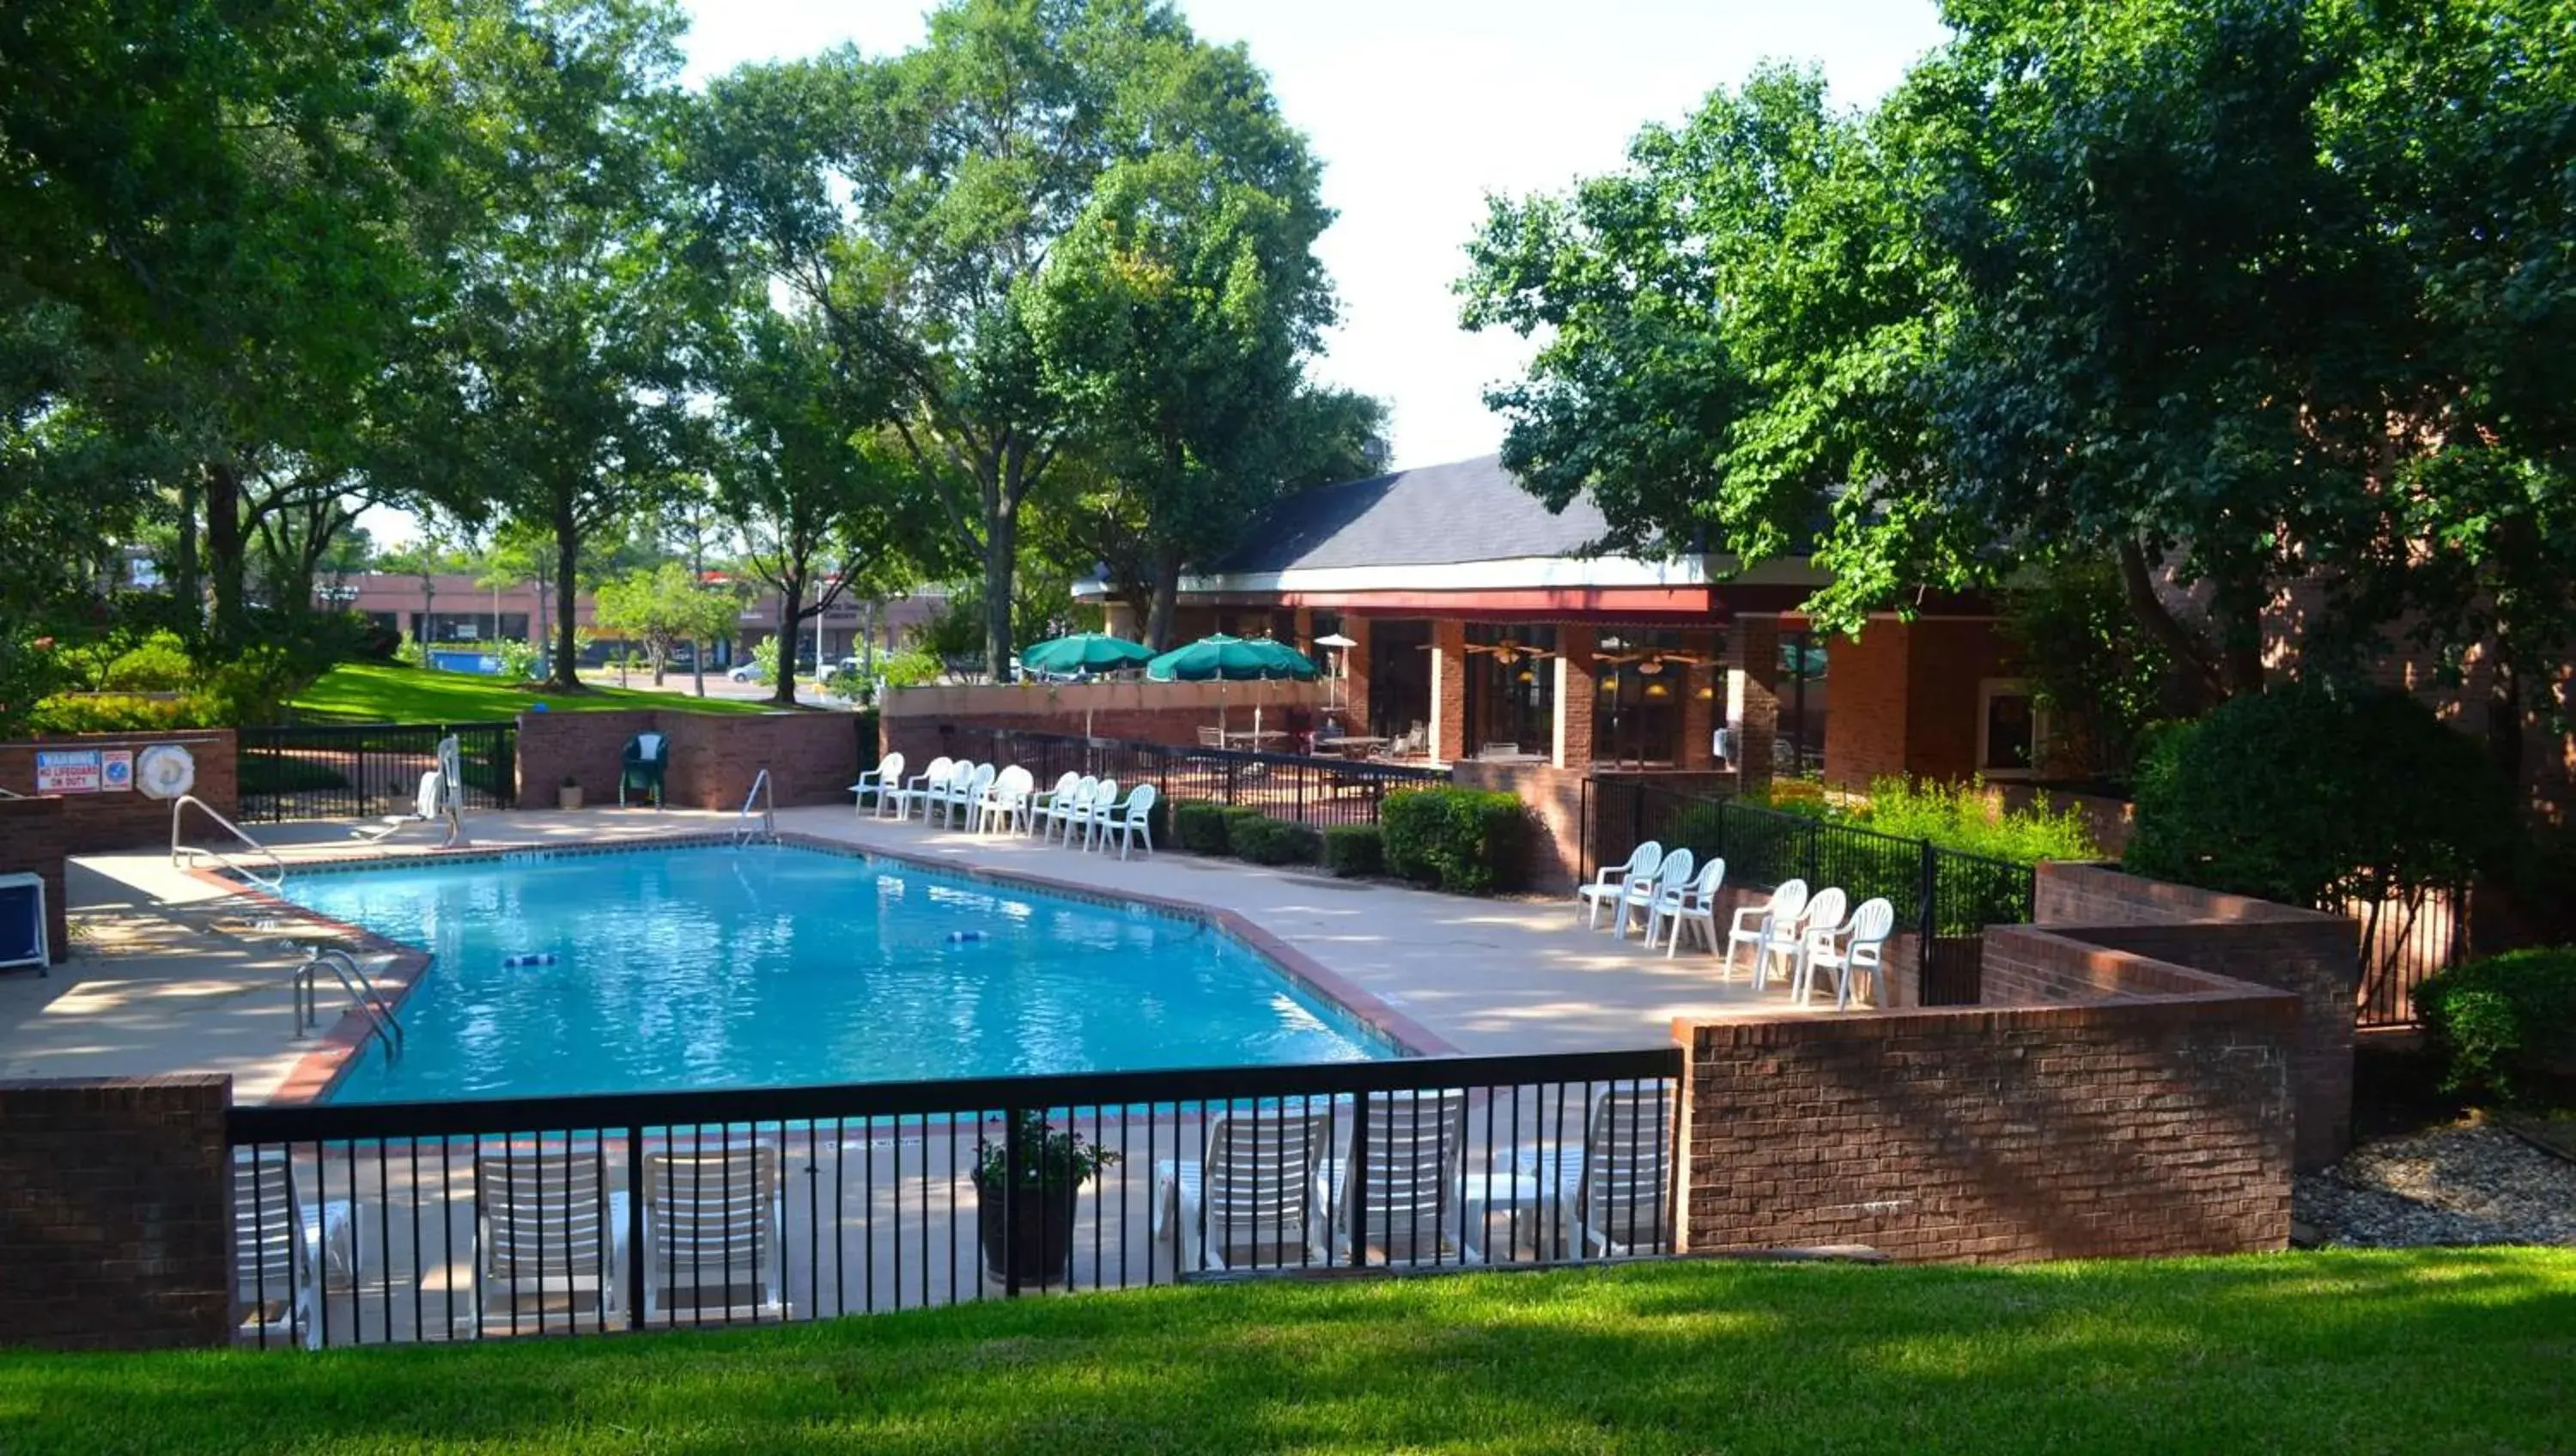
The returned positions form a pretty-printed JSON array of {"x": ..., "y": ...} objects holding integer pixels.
[
  {"x": 178, "y": 810},
  {"x": 363, "y": 995},
  {"x": 746, "y": 828}
]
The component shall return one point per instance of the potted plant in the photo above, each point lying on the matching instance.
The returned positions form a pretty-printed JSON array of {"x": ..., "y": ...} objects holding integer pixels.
[
  {"x": 1038, "y": 1225},
  {"x": 568, "y": 794}
]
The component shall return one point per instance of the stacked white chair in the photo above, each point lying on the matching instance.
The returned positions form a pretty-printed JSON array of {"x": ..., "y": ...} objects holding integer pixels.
[
  {"x": 1006, "y": 802},
  {"x": 1131, "y": 820},
  {"x": 924, "y": 789},
  {"x": 1642, "y": 897},
  {"x": 1042, "y": 803},
  {"x": 1095, "y": 815},
  {"x": 1610, "y": 886},
  {"x": 1754, "y": 923},
  {"x": 965, "y": 791},
  {"x": 1852, "y": 950},
  {"x": 1691, "y": 904},
  {"x": 1064, "y": 807},
  {"x": 881, "y": 784}
]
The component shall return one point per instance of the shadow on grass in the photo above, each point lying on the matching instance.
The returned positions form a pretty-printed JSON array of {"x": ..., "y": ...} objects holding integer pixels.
[{"x": 2458, "y": 1350}]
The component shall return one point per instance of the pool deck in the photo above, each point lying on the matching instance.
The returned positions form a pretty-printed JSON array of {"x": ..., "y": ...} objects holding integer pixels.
[{"x": 169, "y": 974}]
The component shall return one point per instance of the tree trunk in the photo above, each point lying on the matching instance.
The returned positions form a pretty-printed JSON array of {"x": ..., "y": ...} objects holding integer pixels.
[
  {"x": 1001, "y": 547},
  {"x": 2236, "y": 607},
  {"x": 567, "y": 673},
  {"x": 1165, "y": 602},
  {"x": 184, "y": 583},
  {"x": 224, "y": 554},
  {"x": 2138, "y": 588},
  {"x": 2504, "y": 721},
  {"x": 791, "y": 608}
]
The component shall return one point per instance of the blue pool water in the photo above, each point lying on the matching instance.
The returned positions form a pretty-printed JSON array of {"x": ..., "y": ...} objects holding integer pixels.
[{"x": 776, "y": 966}]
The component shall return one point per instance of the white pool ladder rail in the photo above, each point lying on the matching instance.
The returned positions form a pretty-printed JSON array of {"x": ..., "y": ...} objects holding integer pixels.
[
  {"x": 363, "y": 996},
  {"x": 178, "y": 811},
  {"x": 747, "y": 829}
]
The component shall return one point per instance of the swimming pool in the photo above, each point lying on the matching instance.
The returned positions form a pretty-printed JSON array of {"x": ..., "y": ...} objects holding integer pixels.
[{"x": 773, "y": 965}]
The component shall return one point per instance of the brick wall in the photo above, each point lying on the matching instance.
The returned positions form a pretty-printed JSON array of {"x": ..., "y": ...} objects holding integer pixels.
[
  {"x": 2313, "y": 956},
  {"x": 1947, "y": 659},
  {"x": 1578, "y": 694},
  {"x": 812, "y": 758},
  {"x": 35, "y": 837},
  {"x": 2126, "y": 1129},
  {"x": 1448, "y": 690},
  {"x": 1355, "y": 673},
  {"x": 115, "y": 1221},
  {"x": 131, "y": 819},
  {"x": 1865, "y": 733},
  {"x": 1699, "y": 683}
]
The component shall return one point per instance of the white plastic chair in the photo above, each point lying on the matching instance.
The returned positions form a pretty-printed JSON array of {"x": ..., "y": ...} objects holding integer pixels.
[
  {"x": 1752, "y": 926},
  {"x": 1408, "y": 1199},
  {"x": 712, "y": 1222},
  {"x": 879, "y": 783},
  {"x": 1091, "y": 817},
  {"x": 1612, "y": 1194},
  {"x": 1130, "y": 820},
  {"x": 1253, "y": 1200},
  {"x": 922, "y": 788},
  {"x": 1644, "y": 895},
  {"x": 1856, "y": 949},
  {"x": 1691, "y": 904},
  {"x": 1042, "y": 804},
  {"x": 281, "y": 1246},
  {"x": 1006, "y": 802},
  {"x": 965, "y": 791},
  {"x": 1610, "y": 885},
  {"x": 1787, "y": 942},
  {"x": 1063, "y": 806},
  {"x": 547, "y": 1230}
]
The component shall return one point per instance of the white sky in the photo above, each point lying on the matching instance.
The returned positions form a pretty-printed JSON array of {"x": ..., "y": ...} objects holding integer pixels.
[{"x": 1419, "y": 109}]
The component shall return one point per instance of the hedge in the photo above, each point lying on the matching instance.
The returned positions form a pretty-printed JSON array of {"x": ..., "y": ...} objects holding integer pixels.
[
  {"x": 2502, "y": 1022},
  {"x": 1199, "y": 825},
  {"x": 1465, "y": 841},
  {"x": 1264, "y": 840},
  {"x": 1355, "y": 850}
]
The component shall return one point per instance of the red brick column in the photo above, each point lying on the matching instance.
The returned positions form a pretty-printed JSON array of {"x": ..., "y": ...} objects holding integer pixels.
[
  {"x": 115, "y": 1213},
  {"x": 1753, "y": 697},
  {"x": 1699, "y": 684},
  {"x": 1449, "y": 691},
  {"x": 1578, "y": 696}
]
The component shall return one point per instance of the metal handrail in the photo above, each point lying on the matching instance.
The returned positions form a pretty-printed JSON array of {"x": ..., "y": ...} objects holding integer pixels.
[
  {"x": 178, "y": 809},
  {"x": 743, "y": 830},
  {"x": 370, "y": 1002}
]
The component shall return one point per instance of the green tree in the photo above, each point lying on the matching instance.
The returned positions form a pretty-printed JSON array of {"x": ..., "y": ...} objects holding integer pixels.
[
  {"x": 662, "y": 608},
  {"x": 915, "y": 204}
]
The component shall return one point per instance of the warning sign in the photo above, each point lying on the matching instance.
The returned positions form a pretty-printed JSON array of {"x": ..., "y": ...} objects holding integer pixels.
[
  {"x": 69, "y": 770},
  {"x": 116, "y": 770}
]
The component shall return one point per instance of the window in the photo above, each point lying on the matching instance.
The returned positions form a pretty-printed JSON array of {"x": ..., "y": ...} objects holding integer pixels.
[
  {"x": 2010, "y": 729},
  {"x": 1639, "y": 716},
  {"x": 1511, "y": 688}
]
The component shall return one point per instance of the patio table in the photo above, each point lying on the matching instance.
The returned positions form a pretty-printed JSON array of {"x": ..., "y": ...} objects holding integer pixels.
[{"x": 1353, "y": 746}]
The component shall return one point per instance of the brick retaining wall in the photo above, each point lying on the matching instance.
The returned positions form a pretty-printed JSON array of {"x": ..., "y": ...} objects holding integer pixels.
[
  {"x": 127, "y": 819},
  {"x": 2311, "y": 955},
  {"x": 35, "y": 837},
  {"x": 115, "y": 1221},
  {"x": 812, "y": 758},
  {"x": 2127, "y": 1129}
]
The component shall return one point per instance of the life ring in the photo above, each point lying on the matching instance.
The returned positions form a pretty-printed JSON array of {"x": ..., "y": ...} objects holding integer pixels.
[{"x": 164, "y": 771}]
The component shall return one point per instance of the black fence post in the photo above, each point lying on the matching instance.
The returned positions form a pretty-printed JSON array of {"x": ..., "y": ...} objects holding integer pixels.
[
  {"x": 1359, "y": 1181},
  {"x": 1587, "y": 832},
  {"x": 1010, "y": 1202},
  {"x": 635, "y": 1227},
  {"x": 1927, "y": 924}
]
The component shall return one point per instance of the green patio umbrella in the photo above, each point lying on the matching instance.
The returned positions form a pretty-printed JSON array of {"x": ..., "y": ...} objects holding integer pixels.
[
  {"x": 1084, "y": 652},
  {"x": 1225, "y": 659}
]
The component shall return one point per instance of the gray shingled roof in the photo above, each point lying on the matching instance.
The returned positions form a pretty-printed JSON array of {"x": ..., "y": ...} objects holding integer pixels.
[{"x": 1468, "y": 510}]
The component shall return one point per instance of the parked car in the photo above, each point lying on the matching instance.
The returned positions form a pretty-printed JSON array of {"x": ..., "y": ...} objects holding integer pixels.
[{"x": 744, "y": 672}]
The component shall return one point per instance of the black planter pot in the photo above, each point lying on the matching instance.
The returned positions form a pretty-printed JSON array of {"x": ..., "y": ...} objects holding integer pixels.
[{"x": 1039, "y": 1229}]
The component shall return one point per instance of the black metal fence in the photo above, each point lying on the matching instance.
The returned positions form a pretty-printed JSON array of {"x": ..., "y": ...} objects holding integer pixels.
[
  {"x": 1315, "y": 791},
  {"x": 2405, "y": 941},
  {"x": 362, "y": 770},
  {"x": 1945, "y": 897},
  {"x": 467, "y": 1220}
]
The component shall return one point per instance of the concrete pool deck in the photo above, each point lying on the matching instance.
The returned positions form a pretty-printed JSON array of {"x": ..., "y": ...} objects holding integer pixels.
[{"x": 172, "y": 974}]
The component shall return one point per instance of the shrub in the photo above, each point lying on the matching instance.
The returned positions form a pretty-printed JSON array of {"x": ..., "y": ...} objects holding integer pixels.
[
  {"x": 1199, "y": 825},
  {"x": 257, "y": 684},
  {"x": 871, "y": 737},
  {"x": 1466, "y": 841},
  {"x": 120, "y": 713},
  {"x": 2498, "y": 1023},
  {"x": 1256, "y": 837},
  {"x": 1960, "y": 816},
  {"x": 2303, "y": 793},
  {"x": 410, "y": 653},
  {"x": 160, "y": 665},
  {"x": 1355, "y": 850}
]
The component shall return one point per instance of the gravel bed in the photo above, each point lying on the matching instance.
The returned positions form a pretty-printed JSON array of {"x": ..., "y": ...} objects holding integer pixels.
[{"x": 2455, "y": 1185}]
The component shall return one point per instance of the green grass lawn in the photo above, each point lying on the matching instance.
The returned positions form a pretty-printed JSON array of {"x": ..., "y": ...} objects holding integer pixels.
[
  {"x": 384, "y": 692},
  {"x": 2420, "y": 1352}
]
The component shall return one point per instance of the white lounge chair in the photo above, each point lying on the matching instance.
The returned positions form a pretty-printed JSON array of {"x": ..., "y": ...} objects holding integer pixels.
[
  {"x": 283, "y": 1247},
  {"x": 549, "y": 1240},
  {"x": 1644, "y": 895},
  {"x": 1612, "y": 1195},
  {"x": 1691, "y": 904},
  {"x": 1006, "y": 802},
  {"x": 922, "y": 789},
  {"x": 1131, "y": 821},
  {"x": 1063, "y": 807},
  {"x": 1752, "y": 926},
  {"x": 712, "y": 1222},
  {"x": 1042, "y": 803},
  {"x": 1610, "y": 885},
  {"x": 1855, "y": 949},
  {"x": 1253, "y": 1201},
  {"x": 965, "y": 791},
  {"x": 1091, "y": 814},
  {"x": 880, "y": 783},
  {"x": 1408, "y": 1202}
]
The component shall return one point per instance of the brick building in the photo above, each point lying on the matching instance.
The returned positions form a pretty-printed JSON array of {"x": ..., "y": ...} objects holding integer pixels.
[{"x": 1486, "y": 630}]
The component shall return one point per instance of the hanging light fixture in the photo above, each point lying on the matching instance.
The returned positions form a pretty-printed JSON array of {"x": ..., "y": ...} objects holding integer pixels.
[{"x": 1658, "y": 690}]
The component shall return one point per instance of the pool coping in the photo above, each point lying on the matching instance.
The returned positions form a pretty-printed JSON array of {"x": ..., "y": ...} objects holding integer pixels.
[{"x": 319, "y": 1070}]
